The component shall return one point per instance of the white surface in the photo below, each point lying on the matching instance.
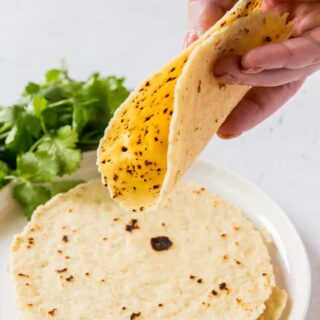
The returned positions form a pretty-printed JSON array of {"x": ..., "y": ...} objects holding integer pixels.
[
  {"x": 289, "y": 255},
  {"x": 132, "y": 38}
]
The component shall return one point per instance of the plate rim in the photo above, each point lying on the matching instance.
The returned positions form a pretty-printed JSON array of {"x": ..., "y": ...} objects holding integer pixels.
[{"x": 294, "y": 231}]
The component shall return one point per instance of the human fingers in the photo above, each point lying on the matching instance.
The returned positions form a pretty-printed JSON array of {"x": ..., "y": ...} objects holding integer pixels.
[
  {"x": 228, "y": 70},
  {"x": 291, "y": 54},
  {"x": 257, "y": 105}
]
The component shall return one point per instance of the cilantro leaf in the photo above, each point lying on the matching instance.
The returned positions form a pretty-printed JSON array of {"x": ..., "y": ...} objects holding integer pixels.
[
  {"x": 23, "y": 133},
  {"x": 39, "y": 104},
  {"x": 62, "y": 147},
  {"x": 63, "y": 186},
  {"x": 31, "y": 88},
  {"x": 30, "y": 196},
  {"x": 18, "y": 139},
  {"x": 117, "y": 92},
  {"x": 4, "y": 169},
  {"x": 53, "y": 75},
  {"x": 37, "y": 167}
]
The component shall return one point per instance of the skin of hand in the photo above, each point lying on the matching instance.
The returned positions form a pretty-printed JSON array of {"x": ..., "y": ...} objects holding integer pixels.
[{"x": 275, "y": 71}]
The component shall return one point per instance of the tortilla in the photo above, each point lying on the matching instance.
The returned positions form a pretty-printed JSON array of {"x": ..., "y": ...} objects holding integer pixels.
[
  {"x": 161, "y": 128},
  {"x": 275, "y": 305},
  {"x": 84, "y": 257}
]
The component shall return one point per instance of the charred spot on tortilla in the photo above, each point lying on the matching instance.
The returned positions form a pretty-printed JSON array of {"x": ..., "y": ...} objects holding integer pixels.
[
  {"x": 161, "y": 243},
  {"x": 132, "y": 225},
  {"x": 135, "y": 315}
]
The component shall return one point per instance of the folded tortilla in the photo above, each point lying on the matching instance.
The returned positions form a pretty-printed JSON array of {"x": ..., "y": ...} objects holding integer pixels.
[{"x": 162, "y": 127}]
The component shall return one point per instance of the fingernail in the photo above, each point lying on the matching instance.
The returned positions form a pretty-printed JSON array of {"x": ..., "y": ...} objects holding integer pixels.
[
  {"x": 190, "y": 37},
  {"x": 252, "y": 70},
  {"x": 227, "y": 136}
]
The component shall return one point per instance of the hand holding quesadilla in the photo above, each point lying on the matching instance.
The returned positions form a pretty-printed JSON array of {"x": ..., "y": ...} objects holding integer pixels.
[{"x": 277, "y": 71}]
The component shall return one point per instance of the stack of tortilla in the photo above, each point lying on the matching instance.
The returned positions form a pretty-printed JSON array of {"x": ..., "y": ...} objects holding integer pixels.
[
  {"x": 95, "y": 254},
  {"x": 197, "y": 257}
]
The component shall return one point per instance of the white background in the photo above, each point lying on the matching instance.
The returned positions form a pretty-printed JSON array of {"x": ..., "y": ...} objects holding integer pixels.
[{"x": 133, "y": 38}]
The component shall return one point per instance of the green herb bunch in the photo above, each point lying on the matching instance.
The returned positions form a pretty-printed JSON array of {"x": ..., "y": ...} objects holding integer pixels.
[{"x": 42, "y": 137}]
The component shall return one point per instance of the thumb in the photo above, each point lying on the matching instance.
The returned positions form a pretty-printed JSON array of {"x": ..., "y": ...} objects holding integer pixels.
[{"x": 202, "y": 14}]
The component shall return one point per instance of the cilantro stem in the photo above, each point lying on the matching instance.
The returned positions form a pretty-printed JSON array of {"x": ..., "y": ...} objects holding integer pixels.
[
  {"x": 7, "y": 126},
  {"x": 59, "y": 103},
  {"x": 89, "y": 102},
  {"x": 36, "y": 144},
  {"x": 10, "y": 177},
  {"x": 4, "y": 135}
]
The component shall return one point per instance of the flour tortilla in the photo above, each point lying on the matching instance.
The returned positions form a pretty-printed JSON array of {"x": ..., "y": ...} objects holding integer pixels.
[
  {"x": 275, "y": 306},
  {"x": 84, "y": 257},
  {"x": 161, "y": 128}
]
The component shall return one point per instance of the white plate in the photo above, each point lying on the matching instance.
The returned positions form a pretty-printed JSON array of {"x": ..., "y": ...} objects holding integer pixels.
[{"x": 294, "y": 269}]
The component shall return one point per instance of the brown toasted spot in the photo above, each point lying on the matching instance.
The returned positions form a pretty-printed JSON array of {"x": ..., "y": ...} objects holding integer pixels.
[
  {"x": 23, "y": 275},
  {"x": 70, "y": 278},
  {"x": 199, "y": 86},
  {"x": 124, "y": 149},
  {"x": 61, "y": 270},
  {"x": 267, "y": 39},
  {"x": 223, "y": 286},
  {"x": 65, "y": 238},
  {"x": 52, "y": 312},
  {"x": 161, "y": 243},
  {"x": 135, "y": 315},
  {"x": 214, "y": 292},
  {"x": 200, "y": 281},
  {"x": 132, "y": 225}
]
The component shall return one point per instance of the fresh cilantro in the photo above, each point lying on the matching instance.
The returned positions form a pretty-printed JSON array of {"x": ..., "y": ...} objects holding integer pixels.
[
  {"x": 39, "y": 104},
  {"x": 63, "y": 186},
  {"x": 37, "y": 166},
  {"x": 43, "y": 135},
  {"x": 4, "y": 169},
  {"x": 62, "y": 147},
  {"x": 30, "y": 196}
]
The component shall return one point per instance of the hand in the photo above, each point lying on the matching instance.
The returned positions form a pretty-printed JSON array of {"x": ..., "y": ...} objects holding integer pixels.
[{"x": 276, "y": 71}]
